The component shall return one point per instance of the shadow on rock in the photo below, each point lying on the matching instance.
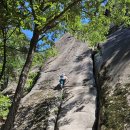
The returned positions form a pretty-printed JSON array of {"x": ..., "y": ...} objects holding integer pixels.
[
  {"x": 57, "y": 87},
  {"x": 82, "y": 56},
  {"x": 37, "y": 117}
]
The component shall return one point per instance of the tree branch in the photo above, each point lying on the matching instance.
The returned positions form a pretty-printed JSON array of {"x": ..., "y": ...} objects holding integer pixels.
[
  {"x": 45, "y": 8},
  {"x": 49, "y": 27},
  {"x": 5, "y": 53},
  {"x": 41, "y": 38},
  {"x": 11, "y": 33},
  {"x": 44, "y": 29},
  {"x": 33, "y": 11}
]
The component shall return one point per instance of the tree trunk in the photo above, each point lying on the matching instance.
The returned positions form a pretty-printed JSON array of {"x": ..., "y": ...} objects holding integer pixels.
[
  {"x": 22, "y": 80},
  {"x": 4, "y": 61}
]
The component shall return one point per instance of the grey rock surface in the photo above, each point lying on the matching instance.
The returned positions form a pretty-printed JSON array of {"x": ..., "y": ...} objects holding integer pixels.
[
  {"x": 10, "y": 90},
  {"x": 39, "y": 110},
  {"x": 113, "y": 67}
]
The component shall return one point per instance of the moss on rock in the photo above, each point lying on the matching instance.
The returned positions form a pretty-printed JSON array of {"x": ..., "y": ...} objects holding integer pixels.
[{"x": 115, "y": 110}]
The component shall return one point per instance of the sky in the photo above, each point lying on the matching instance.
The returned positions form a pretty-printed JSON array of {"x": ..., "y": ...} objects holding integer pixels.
[{"x": 28, "y": 33}]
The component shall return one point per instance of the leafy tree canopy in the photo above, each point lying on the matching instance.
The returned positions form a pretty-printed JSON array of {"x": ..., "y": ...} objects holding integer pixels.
[{"x": 102, "y": 17}]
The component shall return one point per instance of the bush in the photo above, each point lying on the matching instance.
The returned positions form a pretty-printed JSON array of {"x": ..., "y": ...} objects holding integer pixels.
[
  {"x": 5, "y": 103},
  {"x": 30, "y": 81}
]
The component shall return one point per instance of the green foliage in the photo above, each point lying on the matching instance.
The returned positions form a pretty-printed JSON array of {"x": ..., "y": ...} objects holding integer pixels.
[
  {"x": 5, "y": 103},
  {"x": 99, "y": 24},
  {"x": 30, "y": 81},
  {"x": 14, "y": 65},
  {"x": 97, "y": 29},
  {"x": 38, "y": 59},
  {"x": 120, "y": 11},
  {"x": 16, "y": 53},
  {"x": 0, "y": 66},
  {"x": 42, "y": 12},
  {"x": 51, "y": 52},
  {"x": 41, "y": 57}
]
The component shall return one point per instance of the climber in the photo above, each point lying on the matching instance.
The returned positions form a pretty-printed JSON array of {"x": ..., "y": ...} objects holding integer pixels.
[{"x": 63, "y": 79}]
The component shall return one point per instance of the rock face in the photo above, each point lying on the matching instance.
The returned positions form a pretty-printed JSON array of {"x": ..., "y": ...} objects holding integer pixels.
[
  {"x": 113, "y": 68},
  {"x": 47, "y": 107}
]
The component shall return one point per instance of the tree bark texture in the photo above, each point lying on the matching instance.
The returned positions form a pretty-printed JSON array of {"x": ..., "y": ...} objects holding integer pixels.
[
  {"x": 4, "y": 60},
  {"x": 22, "y": 80}
]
